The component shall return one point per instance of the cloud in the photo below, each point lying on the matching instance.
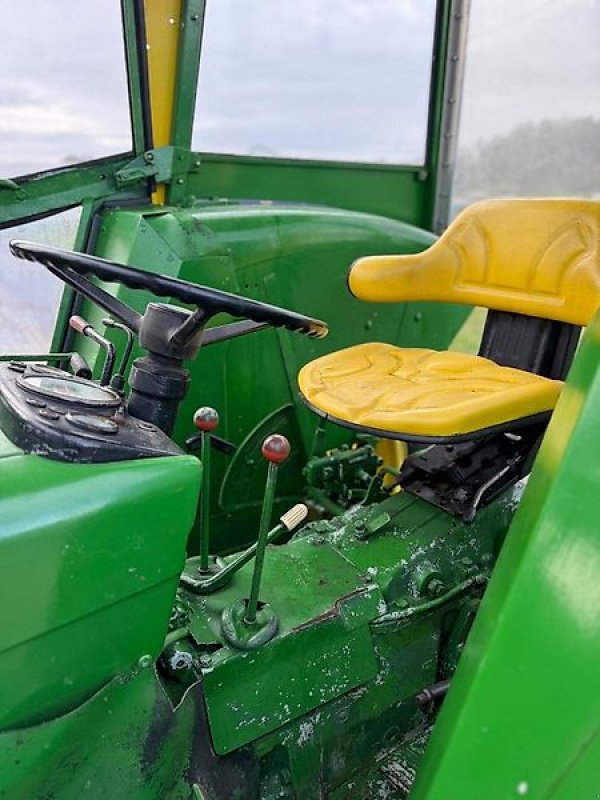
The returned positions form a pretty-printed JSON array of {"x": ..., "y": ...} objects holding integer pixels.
[{"x": 55, "y": 118}]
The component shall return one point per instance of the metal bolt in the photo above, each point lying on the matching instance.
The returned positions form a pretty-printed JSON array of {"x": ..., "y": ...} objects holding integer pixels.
[
  {"x": 181, "y": 660},
  {"x": 435, "y": 588}
]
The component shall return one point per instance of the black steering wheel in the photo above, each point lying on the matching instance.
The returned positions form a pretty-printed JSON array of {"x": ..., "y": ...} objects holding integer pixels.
[{"x": 68, "y": 266}]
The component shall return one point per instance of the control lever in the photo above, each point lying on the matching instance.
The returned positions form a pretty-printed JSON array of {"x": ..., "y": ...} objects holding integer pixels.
[
  {"x": 287, "y": 522},
  {"x": 276, "y": 450},
  {"x": 247, "y": 623},
  {"x": 118, "y": 379},
  {"x": 85, "y": 329},
  {"x": 206, "y": 419}
]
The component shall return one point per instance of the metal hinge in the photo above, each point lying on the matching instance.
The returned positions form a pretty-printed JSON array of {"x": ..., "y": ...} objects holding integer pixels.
[{"x": 167, "y": 164}]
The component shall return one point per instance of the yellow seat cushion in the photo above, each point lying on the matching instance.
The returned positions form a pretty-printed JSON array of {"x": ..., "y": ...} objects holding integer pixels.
[{"x": 421, "y": 392}]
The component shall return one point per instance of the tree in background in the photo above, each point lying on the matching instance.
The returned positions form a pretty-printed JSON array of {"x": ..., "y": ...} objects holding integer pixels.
[{"x": 554, "y": 157}]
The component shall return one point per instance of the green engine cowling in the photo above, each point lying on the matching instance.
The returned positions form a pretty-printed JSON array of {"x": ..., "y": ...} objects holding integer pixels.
[{"x": 90, "y": 556}]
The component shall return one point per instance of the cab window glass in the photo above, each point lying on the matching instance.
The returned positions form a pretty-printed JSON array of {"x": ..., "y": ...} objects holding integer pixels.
[
  {"x": 342, "y": 80},
  {"x": 531, "y": 108},
  {"x": 29, "y": 294},
  {"x": 63, "y": 84}
]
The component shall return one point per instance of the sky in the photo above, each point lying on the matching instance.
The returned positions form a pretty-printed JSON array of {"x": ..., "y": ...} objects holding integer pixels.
[{"x": 530, "y": 61}]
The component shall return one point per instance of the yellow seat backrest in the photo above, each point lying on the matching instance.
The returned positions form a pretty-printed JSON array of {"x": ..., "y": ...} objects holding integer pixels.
[{"x": 537, "y": 257}]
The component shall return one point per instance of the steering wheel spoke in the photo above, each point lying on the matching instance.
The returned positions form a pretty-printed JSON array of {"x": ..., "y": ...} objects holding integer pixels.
[{"x": 115, "y": 307}]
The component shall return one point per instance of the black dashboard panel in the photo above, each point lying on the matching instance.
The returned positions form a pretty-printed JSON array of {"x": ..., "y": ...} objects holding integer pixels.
[{"x": 49, "y": 412}]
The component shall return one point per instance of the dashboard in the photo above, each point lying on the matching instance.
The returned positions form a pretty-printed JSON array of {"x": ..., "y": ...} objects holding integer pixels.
[{"x": 47, "y": 411}]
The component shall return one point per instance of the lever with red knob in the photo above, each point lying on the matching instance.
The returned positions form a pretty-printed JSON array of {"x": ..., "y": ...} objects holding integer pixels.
[
  {"x": 275, "y": 450},
  {"x": 206, "y": 419},
  {"x": 247, "y": 624}
]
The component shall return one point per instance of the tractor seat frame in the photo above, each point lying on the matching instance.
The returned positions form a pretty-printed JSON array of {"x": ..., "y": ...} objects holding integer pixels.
[{"x": 535, "y": 265}]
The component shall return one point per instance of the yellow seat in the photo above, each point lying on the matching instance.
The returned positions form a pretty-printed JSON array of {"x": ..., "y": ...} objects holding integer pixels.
[
  {"x": 537, "y": 258},
  {"x": 422, "y": 394}
]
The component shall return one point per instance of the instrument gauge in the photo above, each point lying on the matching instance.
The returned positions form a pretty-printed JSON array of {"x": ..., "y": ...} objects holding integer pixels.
[{"x": 69, "y": 389}]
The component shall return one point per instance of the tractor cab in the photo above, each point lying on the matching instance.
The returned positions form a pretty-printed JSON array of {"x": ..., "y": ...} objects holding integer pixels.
[{"x": 276, "y": 528}]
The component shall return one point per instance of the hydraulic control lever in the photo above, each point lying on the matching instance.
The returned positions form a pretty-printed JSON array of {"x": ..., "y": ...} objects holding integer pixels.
[
  {"x": 214, "y": 575},
  {"x": 85, "y": 329},
  {"x": 206, "y": 585},
  {"x": 206, "y": 419},
  {"x": 249, "y": 623},
  {"x": 275, "y": 450}
]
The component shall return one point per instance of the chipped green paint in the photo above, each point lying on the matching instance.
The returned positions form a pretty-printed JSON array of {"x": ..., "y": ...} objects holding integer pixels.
[
  {"x": 323, "y": 648},
  {"x": 328, "y": 661}
]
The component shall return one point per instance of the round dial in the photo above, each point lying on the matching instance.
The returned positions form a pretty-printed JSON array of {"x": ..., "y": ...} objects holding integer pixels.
[{"x": 70, "y": 390}]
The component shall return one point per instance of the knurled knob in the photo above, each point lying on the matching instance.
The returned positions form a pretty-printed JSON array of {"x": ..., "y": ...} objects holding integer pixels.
[
  {"x": 292, "y": 518},
  {"x": 276, "y": 448},
  {"x": 206, "y": 419}
]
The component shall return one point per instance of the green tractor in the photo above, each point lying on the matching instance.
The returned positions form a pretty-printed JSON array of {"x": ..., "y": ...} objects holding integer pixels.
[{"x": 269, "y": 536}]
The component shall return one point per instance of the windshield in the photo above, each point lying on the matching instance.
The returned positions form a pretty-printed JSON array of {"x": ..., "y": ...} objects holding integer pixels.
[{"x": 342, "y": 80}]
